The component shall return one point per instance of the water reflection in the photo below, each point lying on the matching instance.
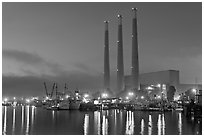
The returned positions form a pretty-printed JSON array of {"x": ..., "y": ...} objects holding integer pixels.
[
  {"x": 53, "y": 115},
  {"x": 5, "y": 120},
  {"x": 22, "y": 118},
  {"x": 179, "y": 124},
  {"x": 32, "y": 120},
  {"x": 161, "y": 124},
  {"x": 86, "y": 124},
  {"x": 97, "y": 122},
  {"x": 27, "y": 120},
  {"x": 104, "y": 126},
  {"x": 32, "y": 117},
  {"x": 14, "y": 120},
  {"x": 142, "y": 127},
  {"x": 129, "y": 123},
  {"x": 150, "y": 125}
]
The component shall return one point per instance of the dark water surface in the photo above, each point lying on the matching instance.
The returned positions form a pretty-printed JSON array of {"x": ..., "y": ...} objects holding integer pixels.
[{"x": 38, "y": 121}]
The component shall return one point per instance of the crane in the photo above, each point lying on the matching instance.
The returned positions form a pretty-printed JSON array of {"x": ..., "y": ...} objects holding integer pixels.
[{"x": 46, "y": 89}]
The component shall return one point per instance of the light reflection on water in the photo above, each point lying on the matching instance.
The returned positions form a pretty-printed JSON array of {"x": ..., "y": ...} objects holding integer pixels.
[
  {"x": 14, "y": 120},
  {"x": 22, "y": 119},
  {"x": 150, "y": 125},
  {"x": 86, "y": 124},
  {"x": 27, "y": 120},
  {"x": 179, "y": 124},
  {"x": 142, "y": 127},
  {"x": 5, "y": 120},
  {"x": 130, "y": 123},
  {"x": 34, "y": 120}
]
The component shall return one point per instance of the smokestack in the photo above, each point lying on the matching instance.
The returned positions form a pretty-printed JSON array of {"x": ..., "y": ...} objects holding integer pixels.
[
  {"x": 106, "y": 59},
  {"x": 135, "y": 61},
  {"x": 120, "y": 66}
]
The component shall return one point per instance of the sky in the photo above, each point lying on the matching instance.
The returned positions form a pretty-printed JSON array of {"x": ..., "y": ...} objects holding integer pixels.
[{"x": 64, "y": 43}]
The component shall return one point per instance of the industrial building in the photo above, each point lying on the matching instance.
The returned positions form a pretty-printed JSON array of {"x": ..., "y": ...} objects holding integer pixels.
[
  {"x": 163, "y": 83},
  {"x": 154, "y": 85}
]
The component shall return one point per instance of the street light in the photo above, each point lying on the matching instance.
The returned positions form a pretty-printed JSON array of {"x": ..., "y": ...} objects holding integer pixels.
[
  {"x": 28, "y": 100},
  {"x": 104, "y": 95},
  {"x": 159, "y": 85},
  {"x": 127, "y": 98},
  {"x": 142, "y": 97},
  {"x": 130, "y": 93},
  {"x": 86, "y": 95},
  {"x": 194, "y": 90},
  {"x": 5, "y": 99},
  {"x": 149, "y": 88}
]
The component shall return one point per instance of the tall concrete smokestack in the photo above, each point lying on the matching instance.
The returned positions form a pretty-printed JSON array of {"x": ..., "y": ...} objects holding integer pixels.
[
  {"x": 135, "y": 60},
  {"x": 106, "y": 59},
  {"x": 120, "y": 65}
]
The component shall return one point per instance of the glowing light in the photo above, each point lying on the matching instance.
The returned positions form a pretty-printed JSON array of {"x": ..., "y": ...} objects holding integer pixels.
[
  {"x": 159, "y": 97},
  {"x": 142, "y": 97},
  {"x": 5, "y": 99},
  {"x": 119, "y": 16},
  {"x": 177, "y": 97},
  {"x": 47, "y": 98},
  {"x": 150, "y": 88},
  {"x": 130, "y": 94},
  {"x": 194, "y": 90},
  {"x": 134, "y": 9},
  {"x": 127, "y": 98},
  {"x": 96, "y": 102},
  {"x": 86, "y": 95},
  {"x": 14, "y": 98},
  {"x": 104, "y": 95},
  {"x": 159, "y": 85},
  {"x": 28, "y": 100},
  {"x": 67, "y": 96},
  {"x": 164, "y": 87}
]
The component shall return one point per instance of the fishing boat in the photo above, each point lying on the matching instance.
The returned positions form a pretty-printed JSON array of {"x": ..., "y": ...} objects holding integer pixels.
[
  {"x": 64, "y": 105},
  {"x": 74, "y": 104}
]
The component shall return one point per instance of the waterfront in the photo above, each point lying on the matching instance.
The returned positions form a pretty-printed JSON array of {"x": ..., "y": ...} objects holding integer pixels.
[{"x": 31, "y": 120}]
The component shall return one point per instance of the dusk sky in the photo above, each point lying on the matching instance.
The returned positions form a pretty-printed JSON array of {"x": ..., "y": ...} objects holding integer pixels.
[{"x": 64, "y": 43}]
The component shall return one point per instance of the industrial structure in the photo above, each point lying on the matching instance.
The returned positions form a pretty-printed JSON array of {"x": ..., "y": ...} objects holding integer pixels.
[
  {"x": 120, "y": 65},
  {"x": 106, "y": 59},
  {"x": 154, "y": 85},
  {"x": 135, "y": 60}
]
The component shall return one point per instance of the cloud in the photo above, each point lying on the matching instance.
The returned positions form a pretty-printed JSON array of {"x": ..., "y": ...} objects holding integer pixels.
[
  {"x": 33, "y": 63},
  {"x": 21, "y": 56}
]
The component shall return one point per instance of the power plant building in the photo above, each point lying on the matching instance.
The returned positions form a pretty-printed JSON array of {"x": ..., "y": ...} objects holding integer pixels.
[{"x": 162, "y": 83}]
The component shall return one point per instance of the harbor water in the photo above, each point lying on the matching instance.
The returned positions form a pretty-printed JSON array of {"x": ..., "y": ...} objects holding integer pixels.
[{"x": 30, "y": 120}]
